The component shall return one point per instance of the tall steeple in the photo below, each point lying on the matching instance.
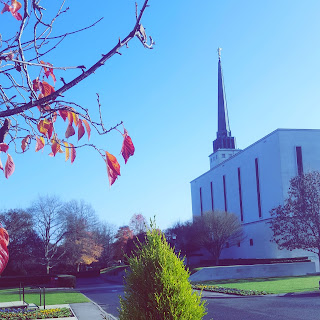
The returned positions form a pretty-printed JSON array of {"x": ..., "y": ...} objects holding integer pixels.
[{"x": 224, "y": 139}]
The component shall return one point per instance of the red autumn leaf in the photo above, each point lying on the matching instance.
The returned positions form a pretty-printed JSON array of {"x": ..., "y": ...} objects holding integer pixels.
[
  {"x": 70, "y": 131},
  {"x": 1, "y": 166},
  {"x": 40, "y": 143},
  {"x": 72, "y": 152},
  {"x": 113, "y": 167},
  {"x": 46, "y": 88},
  {"x": 24, "y": 143},
  {"x": 45, "y": 127},
  {"x": 127, "y": 149},
  {"x": 36, "y": 85},
  {"x": 9, "y": 167},
  {"x": 55, "y": 147},
  {"x": 4, "y": 235},
  {"x": 86, "y": 124},
  {"x": 63, "y": 114},
  {"x": 70, "y": 117},
  {"x": 48, "y": 71},
  {"x": 80, "y": 130},
  {"x": 54, "y": 117},
  {"x": 4, "y": 254},
  {"x": 15, "y": 6},
  {"x": 4, "y": 147}
]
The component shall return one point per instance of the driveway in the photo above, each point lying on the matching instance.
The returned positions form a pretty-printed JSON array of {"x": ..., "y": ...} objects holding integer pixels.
[{"x": 220, "y": 307}]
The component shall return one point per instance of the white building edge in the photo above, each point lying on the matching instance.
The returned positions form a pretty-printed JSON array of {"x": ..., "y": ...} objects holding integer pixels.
[{"x": 253, "y": 181}]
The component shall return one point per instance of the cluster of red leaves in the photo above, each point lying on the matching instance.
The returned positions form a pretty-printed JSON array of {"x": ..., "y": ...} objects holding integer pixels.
[
  {"x": 4, "y": 254},
  {"x": 9, "y": 166},
  {"x": 15, "y": 6},
  {"x": 47, "y": 132}
]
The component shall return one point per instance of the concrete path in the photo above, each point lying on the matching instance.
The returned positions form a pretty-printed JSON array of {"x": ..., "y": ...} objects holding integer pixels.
[{"x": 90, "y": 311}]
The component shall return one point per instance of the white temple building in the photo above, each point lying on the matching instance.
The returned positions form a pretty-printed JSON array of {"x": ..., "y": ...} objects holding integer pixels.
[{"x": 253, "y": 181}]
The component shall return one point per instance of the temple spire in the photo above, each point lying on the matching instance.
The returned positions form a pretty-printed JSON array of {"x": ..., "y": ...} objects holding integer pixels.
[{"x": 224, "y": 139}]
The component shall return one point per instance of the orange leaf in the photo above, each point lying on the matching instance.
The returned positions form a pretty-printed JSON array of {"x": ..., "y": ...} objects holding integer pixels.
[
  {"x": 72, "y": 152},
  {"x": 48, "y": 72},
  {"x": 70, "y": 117},
  {"x": 40, "y": 143},
  {"x": 80, "y": 130},
  {"x": 67, "y": 150},
  {"x": 127, "y": 149},
  {"x": 55, "y": 147},
  {"x": 36, "y": 85},
  {"x": 113, "y": 167},
  {"x": 87, "y": 127},
  {"x": 15, "y": 6},
  {"x": 24, "y": 143},
  {"x": 63, "y": 114},
  {"x": 70, "y": 131},
  {"x": 75, "y": 118},
  {"x": 4, "y": 254},
  {"x": 4, "y": 147},
  {"x": 46, "y": 88},
  {"x": 9, "y": 167}
]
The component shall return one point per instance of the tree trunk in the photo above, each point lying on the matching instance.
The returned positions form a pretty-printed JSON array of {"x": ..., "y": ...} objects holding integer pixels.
[{"x": 48, "y": 268}]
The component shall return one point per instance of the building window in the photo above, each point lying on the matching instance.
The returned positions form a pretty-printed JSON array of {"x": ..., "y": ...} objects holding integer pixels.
[
  {"x": 251, "y": 242},
  {"x": 223, "y": 155},
  {"x": 225, "y": 194},
  {"x": 239, "y": 244},
  {"x": 212, "y": 204},
  {"x": 299, "y": 160},
  {"x": 240, "y": 193},
  {"x": 201, "y": 209},
  {"x": 258, "y": 187}
]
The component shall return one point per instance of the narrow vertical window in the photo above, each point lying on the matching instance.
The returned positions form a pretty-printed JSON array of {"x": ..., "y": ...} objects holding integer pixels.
[
  {"x": 225, "y": 194},
  {"x": 299, "y": 160},
  {"x": 212, "y": 204},
  {"x": 251, "y": 242},
  {"x": 240, "y": 193},
  {"x": 201, "y": 209},
  {"x": 258, "y": 187}
]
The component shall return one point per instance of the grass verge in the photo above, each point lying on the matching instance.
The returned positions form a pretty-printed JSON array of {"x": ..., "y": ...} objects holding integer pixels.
[
  {"x": 269, "y": 285},
  {"x": 52, "y": 296}
]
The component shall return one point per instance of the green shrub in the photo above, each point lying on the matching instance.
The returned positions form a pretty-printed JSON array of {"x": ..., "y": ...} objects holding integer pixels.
[
  {"x": 157, "y": 285},
  {"x": 66, "y": 281}
]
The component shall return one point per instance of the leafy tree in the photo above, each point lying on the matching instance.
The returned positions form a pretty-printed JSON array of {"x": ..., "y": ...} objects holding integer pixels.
[
  {"x": 32, "y": 92},
  {"x": 185, "y": 238},
  {"x": 296, "y": 223},
  {"x": 122, "y": 236},
  {"x": 25, "y": 244},
  {"x": 157, "y": 285},
  {"x": 138, "y": 224},
  {"x": 216, "y": 228},
  {"x": 50, "y": 225}
]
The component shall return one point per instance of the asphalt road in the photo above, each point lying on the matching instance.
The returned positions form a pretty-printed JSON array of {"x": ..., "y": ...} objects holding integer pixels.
[{"x": 304, "y": 306}]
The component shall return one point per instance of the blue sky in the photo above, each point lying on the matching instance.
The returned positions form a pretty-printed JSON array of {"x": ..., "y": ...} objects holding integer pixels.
[{"x": 167, "y": 97}]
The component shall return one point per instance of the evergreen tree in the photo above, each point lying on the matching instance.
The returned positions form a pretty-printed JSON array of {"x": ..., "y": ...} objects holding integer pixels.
[{"x": 157, "y": 285}]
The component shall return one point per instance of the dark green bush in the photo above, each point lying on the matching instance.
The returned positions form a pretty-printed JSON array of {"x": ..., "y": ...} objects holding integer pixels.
[
  {"x": 66, "y": 281},
  {"x": 157, "y": 285}
]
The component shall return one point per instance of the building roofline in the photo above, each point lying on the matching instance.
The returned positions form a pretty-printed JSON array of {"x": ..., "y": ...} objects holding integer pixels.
[{"x": 238, "y": 153}]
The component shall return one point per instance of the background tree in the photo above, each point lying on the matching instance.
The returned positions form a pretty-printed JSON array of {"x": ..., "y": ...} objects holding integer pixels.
[
  {"x": 185, "y": 238},
  {"x": 157, "y": 285},
  {"x": 50, "y": 225},
  {"x": 296, "y": 223},
  {"x": 32, "y": 101},
  {"x": 216, "y": 228},
  {"x": 138, "y": 224},
  {"x": 121, "y": 238},
  {"x": 25, "y": 245}
]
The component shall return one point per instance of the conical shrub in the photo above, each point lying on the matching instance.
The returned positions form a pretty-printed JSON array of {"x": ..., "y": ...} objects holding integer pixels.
[{"x": 157, "y": 285}]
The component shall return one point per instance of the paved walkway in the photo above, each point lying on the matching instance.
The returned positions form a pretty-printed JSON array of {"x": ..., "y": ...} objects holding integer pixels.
[{"x": 90, "y": 311}]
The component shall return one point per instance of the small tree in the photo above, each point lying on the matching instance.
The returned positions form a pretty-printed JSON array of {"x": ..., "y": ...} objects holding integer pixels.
[
  {"x": 296, "y": 223},
  {"x": 157, "y": 285},
  {"x": 216, "y": 229}
]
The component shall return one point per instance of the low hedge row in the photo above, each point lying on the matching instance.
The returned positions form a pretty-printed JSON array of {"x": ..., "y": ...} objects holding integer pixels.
[{"x": 239, "y": 292}]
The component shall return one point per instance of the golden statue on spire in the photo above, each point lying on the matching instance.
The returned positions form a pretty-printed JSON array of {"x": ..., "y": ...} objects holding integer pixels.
[{"x": 219, "y": 52}]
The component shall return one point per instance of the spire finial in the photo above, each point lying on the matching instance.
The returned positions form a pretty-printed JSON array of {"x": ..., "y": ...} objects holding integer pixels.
[{"x": 219, "y": 52}]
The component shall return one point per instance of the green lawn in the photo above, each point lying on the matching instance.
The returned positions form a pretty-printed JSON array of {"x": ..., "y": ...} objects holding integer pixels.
[
  {"x": 52, "y": 296},
  {"x": 270, "y": 285}
]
